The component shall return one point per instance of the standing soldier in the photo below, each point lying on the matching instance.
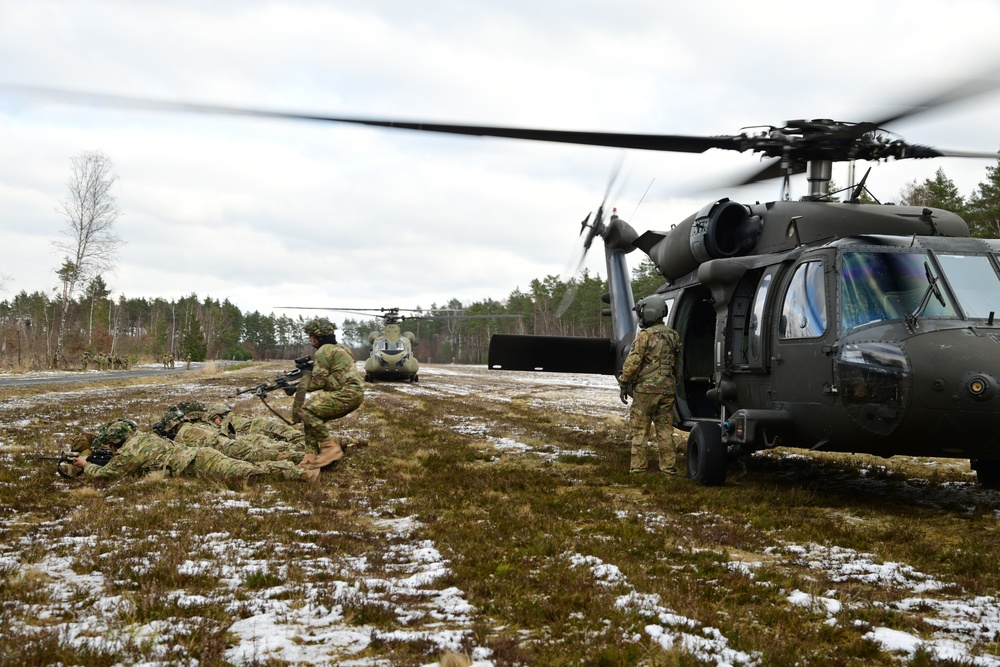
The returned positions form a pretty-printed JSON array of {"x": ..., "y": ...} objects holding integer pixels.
[
  {"x": 650, "y": 371},
  {"x": 339, "y": 390}
]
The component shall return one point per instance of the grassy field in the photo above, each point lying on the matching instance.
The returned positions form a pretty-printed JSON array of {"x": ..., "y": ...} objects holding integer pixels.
[{"x": 490, "y": 521}]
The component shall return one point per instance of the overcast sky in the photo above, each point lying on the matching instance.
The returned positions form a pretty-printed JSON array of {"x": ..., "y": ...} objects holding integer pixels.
[{"x": 282, "y": 213}]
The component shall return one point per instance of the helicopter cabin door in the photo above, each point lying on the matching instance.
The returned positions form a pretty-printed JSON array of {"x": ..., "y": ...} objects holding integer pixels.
[
  {"x": 694, "y": 320},
  {"x": 803, "y": 334}
]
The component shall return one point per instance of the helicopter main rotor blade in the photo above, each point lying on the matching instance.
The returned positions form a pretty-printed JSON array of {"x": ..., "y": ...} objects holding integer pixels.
[
  {"x": 964, "y": 90},
  {"x": 653, "y": 142}
]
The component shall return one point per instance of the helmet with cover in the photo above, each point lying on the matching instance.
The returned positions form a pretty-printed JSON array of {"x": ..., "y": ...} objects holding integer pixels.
[
  {"x": 115, "y": 433},
  {"x": 319, "y": 327},
  {"x": 216, "y": 410},
  {"x": 651, "y": 310}
]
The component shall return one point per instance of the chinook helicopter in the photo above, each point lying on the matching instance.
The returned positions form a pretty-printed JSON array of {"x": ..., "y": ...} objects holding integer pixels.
[
  {"x": 831, "y": 325},
  {"x": 391, "y": 356}
]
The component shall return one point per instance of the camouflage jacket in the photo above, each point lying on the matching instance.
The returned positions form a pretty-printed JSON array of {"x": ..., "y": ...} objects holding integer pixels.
[
  {"x": 651, "y": 364},
  {"x": 234, "y": 424},
  {"x": 141, "y": 453},
  {"x": 198, "y": 435},
  {"x": 334, "y": 370}
]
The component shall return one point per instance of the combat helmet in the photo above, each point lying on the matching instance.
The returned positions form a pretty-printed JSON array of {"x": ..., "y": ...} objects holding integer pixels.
[
  {"x": 319, "y": 327},
  {"x": 216, "y": 410},
  {"x": 115, "y": 433},
  {"x": 175, "y": 414},
  {"x": 651, "y": 310}
]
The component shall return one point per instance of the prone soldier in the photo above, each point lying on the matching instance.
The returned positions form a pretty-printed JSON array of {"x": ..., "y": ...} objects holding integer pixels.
[{"x": 136, "y": 453}]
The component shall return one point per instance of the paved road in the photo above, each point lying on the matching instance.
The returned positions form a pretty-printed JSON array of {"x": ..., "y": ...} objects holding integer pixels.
[{"x": 59, "y": 377}]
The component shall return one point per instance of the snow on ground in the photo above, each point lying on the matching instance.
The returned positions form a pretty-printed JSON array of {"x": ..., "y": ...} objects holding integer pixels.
[
  {"x": 301, "y": 623},
  {"x": 309, "y": 626}
]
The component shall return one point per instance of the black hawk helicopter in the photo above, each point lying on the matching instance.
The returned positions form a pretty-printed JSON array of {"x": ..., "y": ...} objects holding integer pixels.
[{"x": 832, "y": 325}]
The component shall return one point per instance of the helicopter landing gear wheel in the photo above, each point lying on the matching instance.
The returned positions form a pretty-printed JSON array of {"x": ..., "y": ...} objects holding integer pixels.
[
  {"x": 987, "y": 472},
  {"x": 414, "y": 378},
  {"x": 706, "y": 455},
  {"x": 369, "y": 378}
]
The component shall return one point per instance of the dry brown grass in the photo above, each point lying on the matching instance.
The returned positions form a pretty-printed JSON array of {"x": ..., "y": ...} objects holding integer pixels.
[{"x": 521, "y": 486}]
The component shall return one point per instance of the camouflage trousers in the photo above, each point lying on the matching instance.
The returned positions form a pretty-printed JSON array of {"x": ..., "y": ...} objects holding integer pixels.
[
  {"x": 195, "y": 460},
  {"x": 251, "y": 447},
  {"x": 651, "y": 417},
  {"x": 323, "y": 407}
]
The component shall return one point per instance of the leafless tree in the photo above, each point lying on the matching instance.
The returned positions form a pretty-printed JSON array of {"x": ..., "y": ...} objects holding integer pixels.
[{"x": 91, "y": 246}]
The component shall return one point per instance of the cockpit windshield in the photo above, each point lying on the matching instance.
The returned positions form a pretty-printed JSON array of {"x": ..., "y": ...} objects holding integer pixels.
[
  {"x": 392, "y": 347},
  {"x": 877, "y": 286},
  {"x": 974, "y": 282}
]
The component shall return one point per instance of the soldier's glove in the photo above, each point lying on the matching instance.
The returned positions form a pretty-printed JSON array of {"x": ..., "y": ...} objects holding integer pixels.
[{"x": 624, "y": 394}]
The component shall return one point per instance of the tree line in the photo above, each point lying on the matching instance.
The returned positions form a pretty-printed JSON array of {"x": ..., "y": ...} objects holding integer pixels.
[
  {"x": 38, "y": 330},
  {"x": 144, "y": 330}
]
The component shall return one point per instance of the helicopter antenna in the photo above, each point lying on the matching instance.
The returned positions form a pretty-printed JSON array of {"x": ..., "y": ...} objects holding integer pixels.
[
  {"x": 860, "y": 188},
  {"x": 643, "y": 197}
]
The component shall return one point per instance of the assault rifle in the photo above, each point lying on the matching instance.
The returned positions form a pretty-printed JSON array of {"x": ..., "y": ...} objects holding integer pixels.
[
  {"x": 65, "y": 467},
  {"x": 287, "y": 381}
]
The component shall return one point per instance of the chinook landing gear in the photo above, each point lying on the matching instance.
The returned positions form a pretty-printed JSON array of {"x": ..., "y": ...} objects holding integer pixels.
[{"x": 706, "y": 455}]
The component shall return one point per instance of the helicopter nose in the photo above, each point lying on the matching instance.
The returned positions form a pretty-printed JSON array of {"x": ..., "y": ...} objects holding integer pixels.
[
  {"x": 956, "y": 369},
  {"x": 956, "y": 391}
]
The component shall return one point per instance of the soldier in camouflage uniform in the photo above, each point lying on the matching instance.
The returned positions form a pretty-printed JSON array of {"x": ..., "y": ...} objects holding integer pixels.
[
  {"x": 138, "y": 453},
  {"x": 248, "y": 447},
  {"x": 337, "y": 388},
  {"x": 192, "y": 423},
  {"x": 651, "y": 370},
  {"x": 232, "y": 424}
]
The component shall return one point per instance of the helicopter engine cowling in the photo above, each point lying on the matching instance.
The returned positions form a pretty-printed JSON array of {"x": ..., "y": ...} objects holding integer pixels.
[
  {"x": 372, "y": 336},
  {"x": 722, "y": 229}
]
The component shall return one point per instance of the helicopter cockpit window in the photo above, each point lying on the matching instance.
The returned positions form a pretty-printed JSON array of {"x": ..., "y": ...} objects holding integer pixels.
[
  {"x": 877, "y": 286},
  {"x": 803, "y": 314},
  {"x": 393, "y": 346},
  {"x": 755, "y": 328},
  {"x": 974, "y": 282}
]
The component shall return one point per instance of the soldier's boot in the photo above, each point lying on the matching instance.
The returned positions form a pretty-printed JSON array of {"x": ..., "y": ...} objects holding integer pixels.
[
  {"x": 330, "y": 452},
  {"x": 307, "y": 461},
  {"x": 310, "y": 475}
]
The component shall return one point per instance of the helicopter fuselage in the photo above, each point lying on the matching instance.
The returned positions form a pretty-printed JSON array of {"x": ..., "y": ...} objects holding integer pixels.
[
  {"x": 883, "y": 343},
  {"x": 833, "y": 326},
  {"x": 391, "y": 356}
]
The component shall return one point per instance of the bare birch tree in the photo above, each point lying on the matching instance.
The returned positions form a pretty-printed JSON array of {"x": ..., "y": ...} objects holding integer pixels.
[{"x": 91, "y": 246}]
